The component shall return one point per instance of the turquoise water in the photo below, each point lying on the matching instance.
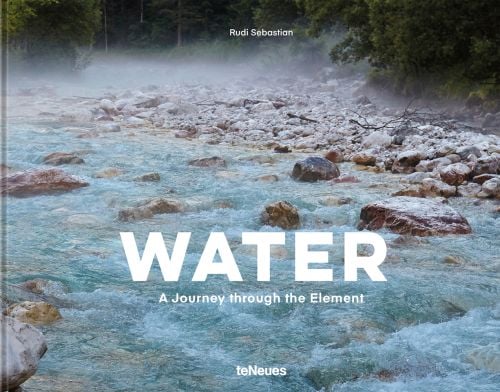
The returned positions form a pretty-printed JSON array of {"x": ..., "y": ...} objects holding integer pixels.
[{"x": 415, "y": 332}]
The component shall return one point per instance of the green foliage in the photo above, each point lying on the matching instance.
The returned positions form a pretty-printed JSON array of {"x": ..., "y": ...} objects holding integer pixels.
[
  {"x": 53, "y": 31},
  {"x": 452, "y": 40},
  {"x": 276, "y": 14}
]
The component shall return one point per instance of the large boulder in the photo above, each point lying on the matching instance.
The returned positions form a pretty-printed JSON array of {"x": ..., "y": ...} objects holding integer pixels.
[
  {"x": 36, "y": 182},
  {"x": 455, "y": 174},
  {"x": 414, "y": 216},
  {"x": 406, "y": 161},
  {"x": 281, "y": 214},
  {"x": 314, "y": 169},
  {"x": 149, "y": 209},
  {"x": 33, "y": 312},
  {"x": 24, "y": 345},
  {"x": 62, "y": 158},
  {"x": 208, "y": 162}
]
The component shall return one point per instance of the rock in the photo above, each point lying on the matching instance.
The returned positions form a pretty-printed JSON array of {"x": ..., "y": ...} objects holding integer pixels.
[
  {"x": 108, "y": 172},
  {"x": 314, "y": 169},
  {"x": 345, "y": 178},
  {"x": 465, "y": 151},
  {"x": 491, "y": 188},
  {"x": 482, "y": 178},
  {"x": 62, "y": 158},
  {"x": 486, "y": 165},
  {"x": 108, "y": 107},
  {"x": 398, "y": 140},
  {"x": 445, "y": 150},
  {"x": 412, "y": 191},
  {"x": 335, "y": 155},
  {"x": 268, "y": 178},
  {"x": 44, "y": 287},
  {"x": 454, "y": 260},
  {"x": 469, "y": 190},
  {"x": 281, "y": 214},
  {"x": 148, "y": 177},
  {"x": 432, "y": 187},
  {"x": 33, "y": 312},
  {"x": 455, "y": 174},
  {"x": 377, "y": 138},
  {"x": 366, "y": 158},
  {"x": 282, "y": 149},
  {"x": 406, "y": 161},
  {"x": 38, "y": 182},
  {"x": 208, "y": 162},
  {"x": 185, "y": 133},
  {"x": 23, "y": 345},
  {"x": 414, "y": 216},
  {"x": 430, "y": 165},
  {"x": 363, "y": 100},
  {"x": 454, "y": 158},
  {"x": 222, "y": 204},
  {"x": 149, "y": 209},
  {"x": 415, "y": 178}
]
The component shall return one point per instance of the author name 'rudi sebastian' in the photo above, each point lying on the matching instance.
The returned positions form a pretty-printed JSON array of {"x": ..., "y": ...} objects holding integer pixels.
[{"x": 260, "y": 33}]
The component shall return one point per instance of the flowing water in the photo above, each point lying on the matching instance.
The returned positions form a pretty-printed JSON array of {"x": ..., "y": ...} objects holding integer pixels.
[{"x": 433, "y": 326}]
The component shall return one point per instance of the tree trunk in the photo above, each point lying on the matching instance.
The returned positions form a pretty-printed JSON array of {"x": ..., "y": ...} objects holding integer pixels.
[
  {"x": 105, "y": 27},
  {"x": 179, "y": 23}
]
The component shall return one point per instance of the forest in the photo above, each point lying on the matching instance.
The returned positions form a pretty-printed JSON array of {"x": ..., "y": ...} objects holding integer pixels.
[{"x": 452, "y": 44}]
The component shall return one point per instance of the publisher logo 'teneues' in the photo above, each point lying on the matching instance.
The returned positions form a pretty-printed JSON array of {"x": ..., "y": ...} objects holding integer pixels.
[{"x": 254, "y": 370}]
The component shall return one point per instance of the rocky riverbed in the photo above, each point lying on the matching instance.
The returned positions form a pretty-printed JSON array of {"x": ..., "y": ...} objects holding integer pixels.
[{"x": 316, "y": 153}]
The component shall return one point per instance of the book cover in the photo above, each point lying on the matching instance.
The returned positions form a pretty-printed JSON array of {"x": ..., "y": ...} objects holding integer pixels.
[{"x": 251, "y": 195}]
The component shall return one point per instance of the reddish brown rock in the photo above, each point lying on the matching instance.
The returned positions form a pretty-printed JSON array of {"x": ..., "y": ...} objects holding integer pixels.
[
  {"x": 335, "y": 156},
  {"x": 281, "y": 214},
  {"x": 455, "y": 174},
  {"x": 149, "y": 209},
  {"x": 37, "y": 182},
  {"x": 414, "y": 216}
]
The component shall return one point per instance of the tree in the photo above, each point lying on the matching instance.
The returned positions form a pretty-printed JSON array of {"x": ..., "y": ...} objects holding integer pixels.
[
  {"x": 447, "y": 39},
  {"x": 53, "y": 30}
]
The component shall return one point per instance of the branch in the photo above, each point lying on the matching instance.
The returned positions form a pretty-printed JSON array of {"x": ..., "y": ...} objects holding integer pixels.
[{"x": 302, "y": 117}]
